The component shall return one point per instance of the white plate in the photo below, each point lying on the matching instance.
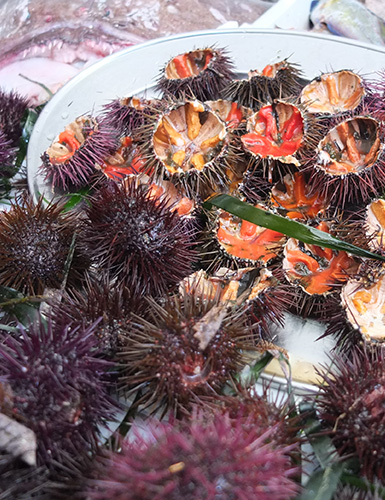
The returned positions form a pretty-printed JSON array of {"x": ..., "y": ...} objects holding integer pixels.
[{"x": 135, "y": 70}]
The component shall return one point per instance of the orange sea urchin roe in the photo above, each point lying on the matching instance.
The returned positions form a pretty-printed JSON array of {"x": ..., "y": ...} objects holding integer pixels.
[
  {"x": 375, "y": 223},
  {"x": 314, "y": 268},
  {"x": 245, "y": 240},
  {"x": 294, "y": 198},
  {"x": 350, "y": 147},
  {"x": 275, "y": 131}
]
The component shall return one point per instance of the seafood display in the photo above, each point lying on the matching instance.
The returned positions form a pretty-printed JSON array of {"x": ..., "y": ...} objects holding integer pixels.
[{"x": 129, "y": 287}]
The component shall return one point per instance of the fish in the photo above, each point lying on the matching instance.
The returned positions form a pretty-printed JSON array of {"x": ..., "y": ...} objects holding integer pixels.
[{"x": 348, "y": 18}]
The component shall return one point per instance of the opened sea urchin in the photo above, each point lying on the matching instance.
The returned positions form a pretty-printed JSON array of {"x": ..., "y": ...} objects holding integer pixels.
[{"x": 201, "y": 73}]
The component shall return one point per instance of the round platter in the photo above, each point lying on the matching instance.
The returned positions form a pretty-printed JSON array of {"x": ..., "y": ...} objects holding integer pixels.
[{"x": 134, "y": 71}]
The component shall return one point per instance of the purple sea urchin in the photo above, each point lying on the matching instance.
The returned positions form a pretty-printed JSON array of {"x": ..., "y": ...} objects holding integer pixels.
[
  {"x": 70, "y": 160},
  {"x": 7, "y": 153},
  {"x": 12, "y": 109},
  {"x": 209, "y": 459},
  {"x": 351, "y": 404},
  {"x": 35, "y": 242},
  {"x": 136, "y": 238},
  {"x": 58, "y": 388},
  {"x": 20, "y": 482},
  {"x": 185, "y": 349},
  {"x": 201, "y": 73},
  {"x": 106, "y": 305},
  {"x": 126, "y": 115}
]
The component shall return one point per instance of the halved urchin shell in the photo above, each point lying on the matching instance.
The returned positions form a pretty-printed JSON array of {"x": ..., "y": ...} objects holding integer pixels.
[
  {"x": 293, "y": 198},
  {"x": 200, "y": 74},
  {"x": 190, "y": 143},
  {"x": 232, "y": 113},
  {"x": 233, "y": 242},
  {"x": 70, "y": 160},
  {"x": 275, "y": 81},
  {"x": 348, "y": 166},
  {"x": 333, "y": 93},
  {"x": 174, "y": 198}
]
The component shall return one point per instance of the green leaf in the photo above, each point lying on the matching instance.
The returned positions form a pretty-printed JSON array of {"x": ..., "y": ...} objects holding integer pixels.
[
  {"x": 76, "y": 198},
  {"x": 260, "y": 365},
  {"x": 285, "y": 226},
  {"x": 322, "y": 484},
  {"x": 16, "y": 304},
  {"x": 28, "y": 122}
]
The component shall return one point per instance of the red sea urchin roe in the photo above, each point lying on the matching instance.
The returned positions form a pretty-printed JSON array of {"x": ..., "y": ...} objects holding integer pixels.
[
  {"x": 295, "y": 198},
  {"x": 277, "y": 131},
  {"x": 314, "y": 268},
  {"x": 245, "y": 240},
  {"x": 235, "y": 115}
]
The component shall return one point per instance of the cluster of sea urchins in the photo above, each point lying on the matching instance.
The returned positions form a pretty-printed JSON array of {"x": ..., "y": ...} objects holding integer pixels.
[{"x": 164, "y": 302}]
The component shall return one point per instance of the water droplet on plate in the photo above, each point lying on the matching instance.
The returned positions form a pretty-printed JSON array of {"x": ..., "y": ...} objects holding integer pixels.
[{"x": 65, "y": 115}]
